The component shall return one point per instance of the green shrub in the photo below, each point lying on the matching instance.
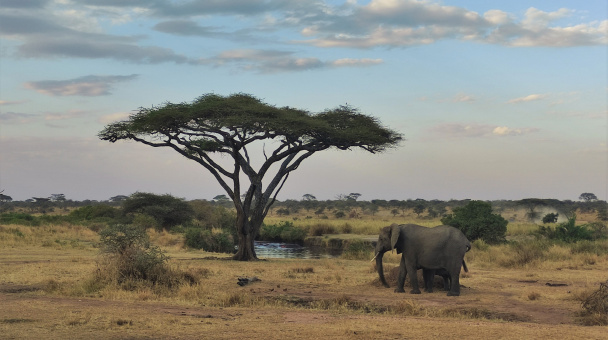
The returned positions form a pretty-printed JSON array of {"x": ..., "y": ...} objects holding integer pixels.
[
  {"x": 219, "y": 242},
  {"x": 93, "y": 212},
  {"x": 283, "y": 232},
  {"x": 168, "y": 211},
  {"x": 477, "y": 221},
  {"x": 567, "y": 232},
  {"x": 293, "y": 235},
  {"x": 19, "y": 218},
  {"x": 550, "y": 218}
]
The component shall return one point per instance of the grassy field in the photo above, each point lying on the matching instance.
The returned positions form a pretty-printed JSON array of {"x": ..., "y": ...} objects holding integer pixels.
[{"x": 50, "y": 288}]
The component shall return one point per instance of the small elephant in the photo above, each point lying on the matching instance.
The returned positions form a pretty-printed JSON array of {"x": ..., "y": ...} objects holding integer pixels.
[
  {"x": 429, "y": 277},
  {"x": 437, "y": 250}
]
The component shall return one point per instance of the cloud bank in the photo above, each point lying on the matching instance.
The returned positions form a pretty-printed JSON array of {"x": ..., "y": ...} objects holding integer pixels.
[{"x": 80, "y": 29}]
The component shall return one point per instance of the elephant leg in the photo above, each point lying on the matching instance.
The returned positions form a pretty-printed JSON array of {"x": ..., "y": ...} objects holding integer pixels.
[
  {"x": 446, "y": 282},
  {"x": 402, "y": 275},
  {"x": 429, "y": 278},
  {"x": 413, "y": 278},
  {"x": 455, "y": 282}
]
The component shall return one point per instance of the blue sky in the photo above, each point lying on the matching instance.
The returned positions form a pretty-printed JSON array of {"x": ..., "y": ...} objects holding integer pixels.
[{"x": 496, "y": 99}]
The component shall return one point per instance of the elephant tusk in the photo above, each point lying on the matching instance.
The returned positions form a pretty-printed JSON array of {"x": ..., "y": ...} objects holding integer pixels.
[{"x": 374, "y": 258}]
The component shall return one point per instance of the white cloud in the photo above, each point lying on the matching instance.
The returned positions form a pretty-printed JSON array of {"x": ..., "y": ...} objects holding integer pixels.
[
  {"x": 528, "y": 98},
  {"x": 496, "y": 17},
  {"x": 83, "y": 86},
  {"x": 272, "y": 61}
]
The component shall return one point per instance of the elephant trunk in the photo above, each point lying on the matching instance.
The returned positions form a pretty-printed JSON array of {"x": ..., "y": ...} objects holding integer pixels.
[{"x": 380, "y": 268}]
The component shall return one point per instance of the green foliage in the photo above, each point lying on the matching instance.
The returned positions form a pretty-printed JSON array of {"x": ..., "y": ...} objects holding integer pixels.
[
  {"x": 477, "y": 221},
  {"x": 168, "y": 211},
  {"x": 19, "y": 218},
  {"x": 91, "y": 212},
  {"x": 570, "y": 232},
  {"x": 131, "y": 255},
  {"x": 283, "y": 232},
  {"x": 419, "y": 209},
  {"x": 550, "y": 218},
  {"x": 218, "y": 242}
]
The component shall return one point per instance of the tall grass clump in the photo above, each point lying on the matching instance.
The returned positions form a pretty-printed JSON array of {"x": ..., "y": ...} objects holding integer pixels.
[
  {"x": 321, "y": 229},
  {"x": 524, "y": 253},
  {"x": 131, "y": 262},
  {"x": 595, "y": 307},
  {"x": 357, "y": 250}
]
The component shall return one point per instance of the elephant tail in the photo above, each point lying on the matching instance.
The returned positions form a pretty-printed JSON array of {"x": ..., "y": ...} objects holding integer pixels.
[{"x": 464, "y": 265}]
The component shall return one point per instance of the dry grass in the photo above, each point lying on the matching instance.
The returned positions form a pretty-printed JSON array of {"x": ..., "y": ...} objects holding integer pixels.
[{"x": 52, "y": 292}]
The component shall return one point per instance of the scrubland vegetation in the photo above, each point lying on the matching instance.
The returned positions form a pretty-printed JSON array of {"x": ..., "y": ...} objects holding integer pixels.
[{"x": 96, "y": 272}]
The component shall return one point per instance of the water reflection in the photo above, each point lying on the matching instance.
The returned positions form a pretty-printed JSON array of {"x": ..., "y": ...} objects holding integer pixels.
[{"x": 292, "y": 251}]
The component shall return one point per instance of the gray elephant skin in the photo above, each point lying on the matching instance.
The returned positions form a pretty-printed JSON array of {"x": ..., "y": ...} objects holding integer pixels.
[{"x": 436, "y": 250}]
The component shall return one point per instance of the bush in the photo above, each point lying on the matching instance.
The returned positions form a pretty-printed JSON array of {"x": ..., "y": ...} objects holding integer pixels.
[
  {"x": 550, "y": 218},
  {"x": 93, "y": 212},
  {"x": 219, "y": 242},
  {"x": 567, "y": 232},
  {"x": 168, "y": 211},
  {"x": 283, "y": 232},
  {"x": 477, "y": 221},
  {"x": 19, "y": 218},
  {"x": 130, "y": 254}
]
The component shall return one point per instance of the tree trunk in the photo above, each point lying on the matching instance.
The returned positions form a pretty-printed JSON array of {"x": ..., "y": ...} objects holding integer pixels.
[
  {"x": 246, "y": 233},
  {"x": 246, "y": 251}
]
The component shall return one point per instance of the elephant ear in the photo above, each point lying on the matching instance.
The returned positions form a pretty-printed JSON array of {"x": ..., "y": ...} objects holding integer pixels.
[{"x": 395, "y": 235}]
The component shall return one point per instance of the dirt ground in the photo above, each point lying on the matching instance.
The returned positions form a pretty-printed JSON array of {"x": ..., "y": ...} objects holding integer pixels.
[{"x": 500, "y": 304}]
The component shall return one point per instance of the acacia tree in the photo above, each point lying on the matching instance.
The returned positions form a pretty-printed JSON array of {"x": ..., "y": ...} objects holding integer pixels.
[{"x": 214, "y": 125}]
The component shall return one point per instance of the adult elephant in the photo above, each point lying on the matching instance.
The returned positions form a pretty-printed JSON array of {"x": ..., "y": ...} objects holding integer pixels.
[{"x": 433, "y": 249}]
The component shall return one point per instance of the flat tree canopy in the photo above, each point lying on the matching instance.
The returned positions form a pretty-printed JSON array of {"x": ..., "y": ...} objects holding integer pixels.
[{"x": 214, "y": 125}]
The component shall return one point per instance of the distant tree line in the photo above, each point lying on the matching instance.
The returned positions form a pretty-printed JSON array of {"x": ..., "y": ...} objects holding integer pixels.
[{"x": 344, "y": 206}]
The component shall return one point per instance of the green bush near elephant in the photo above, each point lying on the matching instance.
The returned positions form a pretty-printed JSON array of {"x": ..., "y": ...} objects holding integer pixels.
[{"x": 477, "y": 221}]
